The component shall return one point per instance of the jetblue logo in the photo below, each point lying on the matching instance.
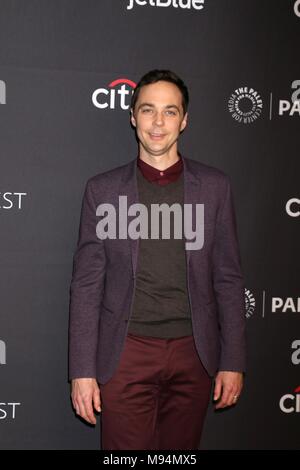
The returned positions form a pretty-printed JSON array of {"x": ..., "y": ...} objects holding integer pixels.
[
  {"x": 183, "y": 4},
  {"x": 2, "y": 92}
]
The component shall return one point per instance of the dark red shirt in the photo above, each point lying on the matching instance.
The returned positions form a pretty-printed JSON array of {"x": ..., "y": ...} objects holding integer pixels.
[{"x": 166, "y": 176}]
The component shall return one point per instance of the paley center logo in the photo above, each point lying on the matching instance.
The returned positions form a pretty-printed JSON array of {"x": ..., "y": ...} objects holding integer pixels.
[
  {"x": 250, "y": 303},
  {"x": 290, "y": 402},
  {"x": 2, "y": 92},
  {"x": 184, "y": 4},
  {"x": 245, "y": 105},
  {"x": 297, "y": 8},
  {"x": 291, "y": 106},
  {"x": 292, "y": 207},
  {"x": 160, "y": 222},
  {"x": 118, "y": 94},
  {"x": 285, "y": 305}
]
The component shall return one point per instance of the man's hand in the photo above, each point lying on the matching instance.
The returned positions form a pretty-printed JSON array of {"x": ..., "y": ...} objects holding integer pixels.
[
  {"x": 228, "y": 387},
  {"x": 86, "y": 394}
]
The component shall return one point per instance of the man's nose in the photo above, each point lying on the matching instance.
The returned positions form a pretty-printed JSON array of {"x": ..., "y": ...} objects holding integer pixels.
[{"x": 158, "y": 118}]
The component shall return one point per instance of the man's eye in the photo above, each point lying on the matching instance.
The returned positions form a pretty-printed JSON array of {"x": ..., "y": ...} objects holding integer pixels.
[
  {"x": 171, "y": 112},
  {"x": 146, "y": 110}
]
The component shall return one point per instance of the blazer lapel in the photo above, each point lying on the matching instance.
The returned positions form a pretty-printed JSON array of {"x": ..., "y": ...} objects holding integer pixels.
[
  {"x": 191, "y": 192},
  {"x": 130, "y": 189}
]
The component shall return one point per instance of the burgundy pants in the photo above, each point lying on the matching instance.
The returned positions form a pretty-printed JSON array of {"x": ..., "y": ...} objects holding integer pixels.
[{"x": 157, "y": 397}]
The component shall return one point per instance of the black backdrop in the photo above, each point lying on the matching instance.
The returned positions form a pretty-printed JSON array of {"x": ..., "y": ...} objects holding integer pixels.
[{"x": 54, "y": 55}]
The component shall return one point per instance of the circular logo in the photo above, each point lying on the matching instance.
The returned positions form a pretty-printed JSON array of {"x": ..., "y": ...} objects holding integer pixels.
[
  {"x": 297, "y": 8},
  {"x": 250, "y": 303},
  {"x": 245, "y": 105}
]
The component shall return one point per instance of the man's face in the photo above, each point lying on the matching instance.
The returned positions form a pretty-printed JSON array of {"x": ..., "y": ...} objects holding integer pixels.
[{"x": 158, "y": 117}]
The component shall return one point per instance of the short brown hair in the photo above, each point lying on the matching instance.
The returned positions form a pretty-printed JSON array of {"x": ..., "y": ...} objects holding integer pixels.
[{"x": 158, "y": 75}]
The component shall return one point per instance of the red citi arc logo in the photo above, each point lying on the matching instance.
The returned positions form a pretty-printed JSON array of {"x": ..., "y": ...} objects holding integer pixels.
[{"x": 118, "y": 94}]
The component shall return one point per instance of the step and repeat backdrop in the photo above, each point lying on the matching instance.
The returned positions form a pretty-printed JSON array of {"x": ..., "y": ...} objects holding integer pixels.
[{"x": 67, "y": 72}]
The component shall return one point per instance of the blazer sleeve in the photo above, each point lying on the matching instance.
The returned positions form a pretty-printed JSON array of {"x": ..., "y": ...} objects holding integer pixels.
[
  {"x": 229, "y": 286},
  {"x": 86, "y": 292}
]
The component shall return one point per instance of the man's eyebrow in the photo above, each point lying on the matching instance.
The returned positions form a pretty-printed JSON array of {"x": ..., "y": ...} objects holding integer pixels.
[
  {"x": 172, "y": 106},
  {"x": 146, "y": 104},
  {"x": 152, "y": 106}
]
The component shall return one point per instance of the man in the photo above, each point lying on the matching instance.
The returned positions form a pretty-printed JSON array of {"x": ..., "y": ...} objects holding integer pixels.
[{"x": 154, "y": 320}]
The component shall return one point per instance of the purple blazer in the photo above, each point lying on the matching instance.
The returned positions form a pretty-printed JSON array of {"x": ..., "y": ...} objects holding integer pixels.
[{"x": 104, "y": 274}]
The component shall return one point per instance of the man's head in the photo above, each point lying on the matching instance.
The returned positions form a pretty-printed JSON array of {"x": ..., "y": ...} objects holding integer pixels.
[
  {"x": 155, "y": 76},
  {"x": 159, "y": 112}
]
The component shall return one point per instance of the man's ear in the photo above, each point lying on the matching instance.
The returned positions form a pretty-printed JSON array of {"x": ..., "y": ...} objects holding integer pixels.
[
  {"x": 132, "y": 118},
  {"x": 184, "y": 122}
]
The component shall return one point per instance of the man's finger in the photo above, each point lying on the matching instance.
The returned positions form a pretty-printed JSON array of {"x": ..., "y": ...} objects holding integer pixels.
[
  {"x": 83, "y": 412},
  {"x": 217, "y": 391},
  {"x": 97, "y": 401},
  {"x": 76, "y": 406},
  {"x": 89, "y": 411},
  {"x": 224, "y": 399}
]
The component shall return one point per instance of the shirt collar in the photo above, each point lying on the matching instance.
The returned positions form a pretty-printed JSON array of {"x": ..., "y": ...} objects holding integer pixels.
[{"x": 166, "y": 176}]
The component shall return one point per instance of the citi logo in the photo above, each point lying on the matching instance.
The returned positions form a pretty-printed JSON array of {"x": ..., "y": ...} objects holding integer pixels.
[
  {"x": 285, "y": 305},
  {"x": 2, "y": 352},
  {"x": 292, "y": 106},
  {"x": 292, "y": 207},
  {"x": 118, "y": 94},
  {"x": 290, "y": 403},
  {"x": 297, "y": 8},
  {"x": 295, "y": 358},
  {"x": 184, "y": 4},
  {"x": 2, "y": 92}
]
